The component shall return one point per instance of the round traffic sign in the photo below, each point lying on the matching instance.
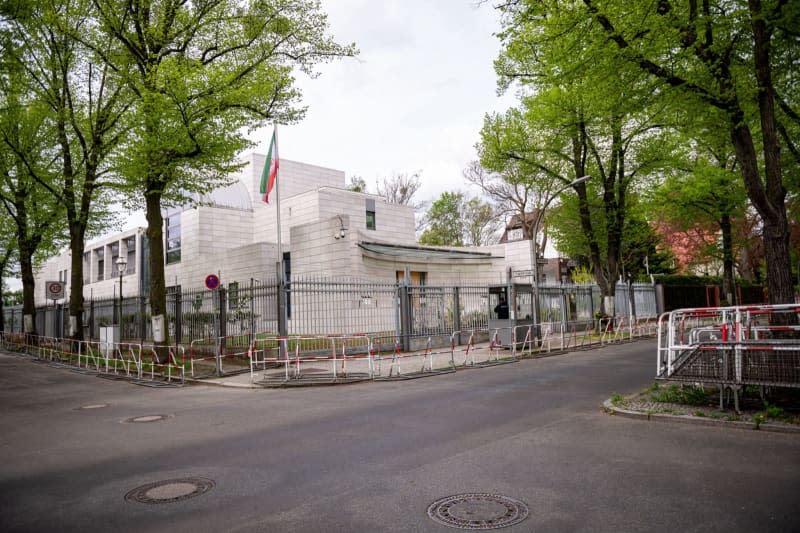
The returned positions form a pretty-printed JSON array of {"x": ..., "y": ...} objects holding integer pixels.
[
  {"x": 212, "y": 281},
  {"x": 54, "y": 290}
]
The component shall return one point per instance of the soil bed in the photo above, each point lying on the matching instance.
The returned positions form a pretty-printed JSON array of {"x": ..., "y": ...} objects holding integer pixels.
[{"x": 756, "y": 404}]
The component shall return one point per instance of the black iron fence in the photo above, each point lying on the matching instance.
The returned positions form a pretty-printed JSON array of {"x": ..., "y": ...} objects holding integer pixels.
[{"x": 315, "y": 306}]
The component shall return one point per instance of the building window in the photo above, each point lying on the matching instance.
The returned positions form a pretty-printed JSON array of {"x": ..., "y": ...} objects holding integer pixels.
[
  {"x": 87, "y": 273},
  {"x": 101, "y": 265},
  {"x": 370, "y": 204},
  {"x": 173, "y": 223},
  {"x": 130, "y": 245},
  {"x": 114, "y": 256}
]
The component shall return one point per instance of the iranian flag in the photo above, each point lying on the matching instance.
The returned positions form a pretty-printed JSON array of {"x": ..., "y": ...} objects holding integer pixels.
[{"x": 271, "y": 164}]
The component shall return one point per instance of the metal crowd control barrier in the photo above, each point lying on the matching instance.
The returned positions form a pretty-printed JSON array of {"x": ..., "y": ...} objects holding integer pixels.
[
  {"x": 257, "y": 353},
  {"x": 109, "y": 357},
  {"x": 199, "y": 352},
  {"x": 470, "y": 349},
  {"x": 351, "y": 356},
  {"x": 301, "y": 350},
  {"x": 165, "y": 369},
  {"x": 428, "y": 356},
  {"x": 731, "y": 346},
  {"x": 12, "y": 341}
]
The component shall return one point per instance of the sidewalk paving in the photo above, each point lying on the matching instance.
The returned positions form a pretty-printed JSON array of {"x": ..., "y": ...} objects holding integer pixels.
[{"x": 327, "y": 371}]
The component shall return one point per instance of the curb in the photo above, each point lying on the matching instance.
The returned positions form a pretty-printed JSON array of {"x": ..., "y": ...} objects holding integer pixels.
[
  {"x": 613, "y": 410},
  {"x": 193, "y": 382}
]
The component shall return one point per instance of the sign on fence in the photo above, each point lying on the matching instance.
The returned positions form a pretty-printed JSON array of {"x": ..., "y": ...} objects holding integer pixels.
[
  {"x": 54, "y": 290},
  {"x": 212, "y": 282}
]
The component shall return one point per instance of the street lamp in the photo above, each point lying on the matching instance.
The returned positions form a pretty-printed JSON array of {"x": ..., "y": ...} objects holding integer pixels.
[
  {"x": 122, "y": 265},
  {"x": 535, "y": 254}
]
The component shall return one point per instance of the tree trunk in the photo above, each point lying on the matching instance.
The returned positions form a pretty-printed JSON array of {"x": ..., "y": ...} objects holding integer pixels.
[
  {"x": 776, "y": 225},
  {"x": 2, "y": 312},
  {"x": 728, "y": 288},
  {"x": 28, "y": 288},
  {"x": 772, "y": 211},
  {"x": 76, "y": 245},
  {"x": 158, "y": 293}
]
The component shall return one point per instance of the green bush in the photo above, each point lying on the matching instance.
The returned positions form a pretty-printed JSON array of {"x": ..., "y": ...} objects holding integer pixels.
[{"x": 673, "y": 393}]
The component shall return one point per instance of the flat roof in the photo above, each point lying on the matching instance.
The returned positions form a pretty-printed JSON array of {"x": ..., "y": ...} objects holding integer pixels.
[{"x": 419, "y": 252}]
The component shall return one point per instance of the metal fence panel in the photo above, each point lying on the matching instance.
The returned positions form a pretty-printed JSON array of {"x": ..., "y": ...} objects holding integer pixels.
[
  {"x": 474, "y": 304},
  {"x": 322, "y": 307},
  {"x": 644, "y": 300}
]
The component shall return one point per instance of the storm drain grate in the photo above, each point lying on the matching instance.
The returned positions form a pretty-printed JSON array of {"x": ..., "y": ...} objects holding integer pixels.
[
  {"x": 145, "y": 419},
  {"x": 170, "y": 490},
  {"x": 478, "y": 511}
]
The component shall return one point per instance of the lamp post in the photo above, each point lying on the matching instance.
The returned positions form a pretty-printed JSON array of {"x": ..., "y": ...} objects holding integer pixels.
[
  {"x": 535, "y": 253},
  {"x": 122, "y": 265}
]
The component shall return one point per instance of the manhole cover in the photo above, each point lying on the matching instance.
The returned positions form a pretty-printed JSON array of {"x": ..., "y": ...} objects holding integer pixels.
[
  {"x": 92, "y": 406},
  {"x": 478, "y": 511},
  {"x": 146, "y": 418},
  {"x": 170, "y": 490}
]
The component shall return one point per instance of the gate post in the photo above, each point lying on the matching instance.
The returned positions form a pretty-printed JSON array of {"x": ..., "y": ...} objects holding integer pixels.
[
  {"x": 406, "y": 320},
  {"x": 142, "y": 318},
  {"x": 283, "y": 326},
  {"x": 457, "y": 313},
  {"x": 91, "y": 320},
  {"x": 178, "y": 319},
  {"x": 252, "y": 314},
  {"x": 223, "y": 329}
]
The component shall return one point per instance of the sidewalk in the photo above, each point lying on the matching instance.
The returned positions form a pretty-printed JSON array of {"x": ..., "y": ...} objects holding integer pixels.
[{"x": 387, "y": 367}]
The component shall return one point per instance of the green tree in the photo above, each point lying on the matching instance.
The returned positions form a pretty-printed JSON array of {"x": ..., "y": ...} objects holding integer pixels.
[
  {"x": 481, "y": 223},
  {"x": 8, "y": 263},
  {"x": 738, "y": 58},
  {"x": 87, "y": 111},
  {"x": 357, "y": 184},
  {"x": 454, "y": 219},
  {"x": 587, "y": 113},
  {"x": 26, "y": 160},
  {"x": 444, "y": 221},
  {"x": 709, "y": 193},
  {"x": 202, "y": 74}
]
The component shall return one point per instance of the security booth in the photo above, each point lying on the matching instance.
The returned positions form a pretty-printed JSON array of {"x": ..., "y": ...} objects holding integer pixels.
[{"x": 516, "y": 312}]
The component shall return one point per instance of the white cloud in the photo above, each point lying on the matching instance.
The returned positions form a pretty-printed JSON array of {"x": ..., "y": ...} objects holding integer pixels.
[{"x": 413, "y": 100}]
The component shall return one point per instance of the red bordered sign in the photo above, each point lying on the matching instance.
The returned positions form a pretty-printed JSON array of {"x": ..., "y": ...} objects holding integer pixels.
[
  {"x": 212, "y": 282},
  {"x": 54, "y": 290}
]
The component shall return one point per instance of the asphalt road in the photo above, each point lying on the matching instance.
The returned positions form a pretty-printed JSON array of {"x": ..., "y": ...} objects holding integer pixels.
[{"x": 373, "y": 456}]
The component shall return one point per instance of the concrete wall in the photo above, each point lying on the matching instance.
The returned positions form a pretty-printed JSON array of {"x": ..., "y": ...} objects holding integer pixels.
[
  {"x": 208, "y": 234},
  {"x": 294, "y": 178}
]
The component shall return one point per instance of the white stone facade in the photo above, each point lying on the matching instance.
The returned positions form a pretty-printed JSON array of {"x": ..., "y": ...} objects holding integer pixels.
[
  {"x": 325, "y": 228},
  {"x": 100, "y": 274}
]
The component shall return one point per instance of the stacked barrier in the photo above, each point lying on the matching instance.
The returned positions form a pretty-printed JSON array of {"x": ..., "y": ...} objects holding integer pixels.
[{"x": 731, "y": 346}]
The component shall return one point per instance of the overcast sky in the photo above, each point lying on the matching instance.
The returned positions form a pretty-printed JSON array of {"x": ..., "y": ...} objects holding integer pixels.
[{"x": 413, "y": 100}]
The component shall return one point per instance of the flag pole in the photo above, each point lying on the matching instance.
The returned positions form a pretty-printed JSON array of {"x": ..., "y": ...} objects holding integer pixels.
[{"x": 278, "y": 208}]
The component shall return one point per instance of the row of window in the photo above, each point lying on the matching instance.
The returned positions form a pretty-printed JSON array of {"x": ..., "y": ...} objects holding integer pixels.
[
  {"x": 172, "y": 223},
  {"x": 94, "y": 262}
]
